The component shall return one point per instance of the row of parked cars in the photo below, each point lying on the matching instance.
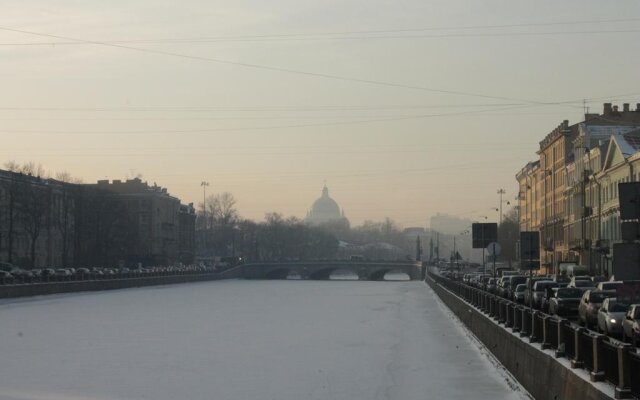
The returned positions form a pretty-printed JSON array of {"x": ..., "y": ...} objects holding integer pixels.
[
  {"x": 11, "y": 274},
  {"x": 591, "y": 301}
]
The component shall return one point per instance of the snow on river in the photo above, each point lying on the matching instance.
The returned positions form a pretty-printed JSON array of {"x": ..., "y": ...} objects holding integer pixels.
[{"x": 244, "y": 340}]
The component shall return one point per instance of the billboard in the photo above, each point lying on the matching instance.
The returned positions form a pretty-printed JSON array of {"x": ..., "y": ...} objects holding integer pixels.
[
  {"x": 626, "y": 261},
  {"x": 629, "y": 197},
  {"x": 530, "y": 250},
  {"x": 483, "y": 233}
]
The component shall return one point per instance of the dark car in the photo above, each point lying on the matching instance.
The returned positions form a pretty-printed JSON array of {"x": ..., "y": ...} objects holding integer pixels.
[
  {"x": 518, "y": 294},
  {"x": 5, "y": 277},
  {"x": 513, "y": 283},
  {"x": 530, "y": 282},
  {"x": 590, "y": 304},
  {"x": 541, "y": 292},
  {"x": 565, "y": 302}
]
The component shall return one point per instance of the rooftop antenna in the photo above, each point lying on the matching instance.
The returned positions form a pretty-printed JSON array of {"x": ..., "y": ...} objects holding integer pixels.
[{"x": 584, "y": 106}]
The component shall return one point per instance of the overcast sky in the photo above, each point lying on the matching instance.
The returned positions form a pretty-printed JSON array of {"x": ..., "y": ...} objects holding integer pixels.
[{"x": 406, "y": 108}]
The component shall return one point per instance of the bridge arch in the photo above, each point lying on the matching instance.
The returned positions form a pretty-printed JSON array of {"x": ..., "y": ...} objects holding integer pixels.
[
  {"x": 277, "y": 273},
  {"x": 379, "y": 274}
]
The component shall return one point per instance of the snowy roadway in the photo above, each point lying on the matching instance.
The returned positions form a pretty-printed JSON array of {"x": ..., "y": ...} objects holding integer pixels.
[{"x": 244, "y": 340}]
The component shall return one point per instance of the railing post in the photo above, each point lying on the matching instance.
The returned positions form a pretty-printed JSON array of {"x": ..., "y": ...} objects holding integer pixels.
[
  {"x": 502, "y": 317},
  {"x": 623, "y": 388},
  {"x": 597, "y": 374},
  {"x": 508, "y": 321},
  {"x": 578, "y": 359},
  {"x": 560, "y": 351},
  {"x": 490, "y": 306},
  {"x": 517, "y": 319},
  {"x": 546, "y": 333},
  {"x": 535, "y": 335},
  {"x": 525, "y": 321}
]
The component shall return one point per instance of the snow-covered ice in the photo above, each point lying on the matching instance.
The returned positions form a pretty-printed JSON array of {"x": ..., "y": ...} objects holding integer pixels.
[{"x": 244, "y": 340}]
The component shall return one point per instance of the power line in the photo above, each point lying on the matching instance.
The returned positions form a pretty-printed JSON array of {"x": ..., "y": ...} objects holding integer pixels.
[
  {"x": 319, "y": 35},
  {"x": 334, "y": 38},
  {"x": 278, "y": 69},
  {"x": 255, "y": 128}
]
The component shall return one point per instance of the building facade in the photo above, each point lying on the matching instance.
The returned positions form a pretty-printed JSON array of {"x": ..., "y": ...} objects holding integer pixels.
[
  {"x": 50, "y": 223},
  {"x": 36, "y": 220},
  {"x": 570, "y": 195}
]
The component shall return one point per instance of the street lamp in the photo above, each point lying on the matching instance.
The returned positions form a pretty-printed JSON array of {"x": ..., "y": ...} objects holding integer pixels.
[
  {"x": 500, "y": 193},
  {"x": 204, "y": 185}
]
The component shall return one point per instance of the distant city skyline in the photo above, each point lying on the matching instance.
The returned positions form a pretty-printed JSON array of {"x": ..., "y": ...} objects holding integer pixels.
[{"x": 406, "y": 109}]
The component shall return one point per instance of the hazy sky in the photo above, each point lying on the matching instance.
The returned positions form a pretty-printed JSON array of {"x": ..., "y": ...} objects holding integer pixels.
[{"x": 272, "y": 137}]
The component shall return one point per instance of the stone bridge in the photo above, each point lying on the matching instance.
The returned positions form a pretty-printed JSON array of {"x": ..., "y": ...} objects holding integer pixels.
[{"x": 322, "y": 270}]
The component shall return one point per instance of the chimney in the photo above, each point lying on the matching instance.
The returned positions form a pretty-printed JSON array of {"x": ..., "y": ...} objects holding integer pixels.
[
  {"x": 625, "y": 107},
  {"x": 607, "y": 109},
  {"x": 638, "y": 107},
  {"x": 615, "y": 109}
]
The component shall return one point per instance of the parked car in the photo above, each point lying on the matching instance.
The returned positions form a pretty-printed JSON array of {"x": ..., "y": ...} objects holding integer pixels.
[
  {"x": 609, "y": 285},
  {"x": 513, "y": 283},
  {"x": 491, "y": 285},
  {"x": 582, "y": 283},
  {"x": 590, "y": 304},
  {"x": 7, "y": 267},
  {"x": 530, "y": 282},
  {"x": 565, "y": 302},
  {"x": 541, "y": 290},
  {"x": 518, "y": 294},
  {"x": 631, "y": 324},
  {"x": 611, "y": 315},
  {"x": 5, "y": 277},
  {"x": 62, "y": 273}
]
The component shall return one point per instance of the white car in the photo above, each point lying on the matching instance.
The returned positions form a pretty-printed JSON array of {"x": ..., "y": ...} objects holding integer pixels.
[{"x": 610, "y": 316}]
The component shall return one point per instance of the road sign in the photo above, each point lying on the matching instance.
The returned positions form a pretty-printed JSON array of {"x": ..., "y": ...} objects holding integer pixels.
[
  {"x": 530, "y": 250},
  {"x": 483, "y": 233},
  {"x": 494, "y": 249}
]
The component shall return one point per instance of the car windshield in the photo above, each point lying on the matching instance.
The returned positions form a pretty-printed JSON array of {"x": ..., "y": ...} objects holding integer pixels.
[
  {"x": 583, "y": 283},
  {"x": 521, "y": 288},
  {"x": 598, "y": 297},
  {"x": 609, "y": 285},
  {"x": 617, "y": 307},
  {"x": 567, "y": 293},
  {"x": 540, "y": 286}
]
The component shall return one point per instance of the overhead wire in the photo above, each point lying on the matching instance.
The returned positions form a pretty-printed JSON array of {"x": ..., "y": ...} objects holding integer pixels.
[{"x": 279, "y": 69}]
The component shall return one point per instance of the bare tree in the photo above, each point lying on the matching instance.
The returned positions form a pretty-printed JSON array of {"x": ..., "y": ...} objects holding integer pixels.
[
  {"x": 222, "y": 209},
  {"x": 33, "y": 206}
]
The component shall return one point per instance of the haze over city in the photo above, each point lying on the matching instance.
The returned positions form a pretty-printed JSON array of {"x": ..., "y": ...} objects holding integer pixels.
[{"x": 404, "y": 108}]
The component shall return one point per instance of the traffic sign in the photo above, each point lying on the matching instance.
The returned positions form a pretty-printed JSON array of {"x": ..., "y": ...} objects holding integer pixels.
[{"x": 494, "y": 249}]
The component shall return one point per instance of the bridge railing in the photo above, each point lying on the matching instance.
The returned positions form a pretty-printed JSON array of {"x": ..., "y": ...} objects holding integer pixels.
[{"x": 605, "y": 358}]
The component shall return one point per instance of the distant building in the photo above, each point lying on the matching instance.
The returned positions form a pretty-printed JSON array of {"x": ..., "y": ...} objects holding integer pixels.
[
  {"x": 155, "y": 217},
  {"x": 449, "y": 224},
  {"x": 36, "y": 220},
  {"x": 325, "y": 210},
  {"x": 49, "y": 223}
]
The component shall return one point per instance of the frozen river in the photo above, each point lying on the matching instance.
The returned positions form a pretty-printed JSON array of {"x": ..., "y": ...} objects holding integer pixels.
[{"x": 244, "y": 340}]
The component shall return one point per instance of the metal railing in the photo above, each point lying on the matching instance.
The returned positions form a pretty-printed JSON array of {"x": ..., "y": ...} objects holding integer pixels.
[{"x": 605, "y": 358}]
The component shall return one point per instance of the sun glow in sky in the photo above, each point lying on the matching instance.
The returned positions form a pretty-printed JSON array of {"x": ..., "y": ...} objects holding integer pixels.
[{"x": 405, "y": 108}]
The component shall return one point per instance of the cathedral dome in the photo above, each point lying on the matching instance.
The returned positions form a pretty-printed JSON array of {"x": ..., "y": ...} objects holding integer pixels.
[
  {"x": 325, "y": 205},
  {"x": 324, "y": 210}
]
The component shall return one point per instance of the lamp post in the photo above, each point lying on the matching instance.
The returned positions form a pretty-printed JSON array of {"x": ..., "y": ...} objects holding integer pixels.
[
  {"x": 500, "y": 193},
  {"x": 204, "y": 185}
]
